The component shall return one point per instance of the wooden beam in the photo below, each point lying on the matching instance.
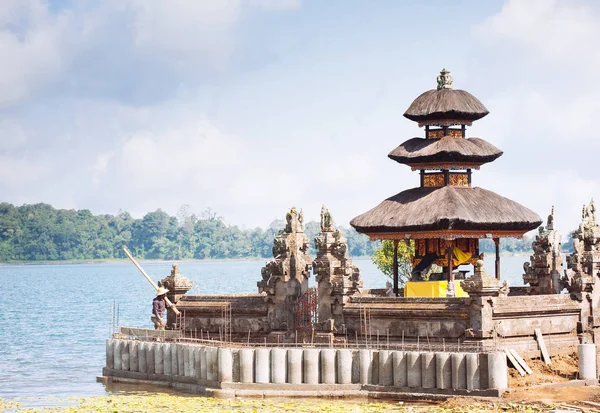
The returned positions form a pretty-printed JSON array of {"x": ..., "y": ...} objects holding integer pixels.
[
  {"x": 497, "y": 242},
  {"x": 395, "y": 264},
  {"x": 514, "y": 362},
  {"x": 542, "y": 346},
  {"x": 520, "y": 361}
]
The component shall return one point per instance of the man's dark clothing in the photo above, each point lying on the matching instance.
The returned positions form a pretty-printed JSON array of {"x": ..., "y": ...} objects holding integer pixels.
[{"x": 158, "y": 307}]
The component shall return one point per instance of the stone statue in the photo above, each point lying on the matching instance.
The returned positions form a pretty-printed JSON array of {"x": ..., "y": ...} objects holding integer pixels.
[
  {"x": 326, "y": 221},
  {"x": 444, "y": 80},
  {"x": 543, "y": 271}
]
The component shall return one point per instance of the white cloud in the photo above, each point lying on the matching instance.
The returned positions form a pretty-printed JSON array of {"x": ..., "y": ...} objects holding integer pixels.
[
  {"x": 12, "y": 135},
  {"x": 276, "y": 4},
  {"x": 30, "y": 48}
]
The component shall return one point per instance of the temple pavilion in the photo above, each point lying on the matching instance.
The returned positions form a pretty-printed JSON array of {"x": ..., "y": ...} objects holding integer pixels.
[{"x": 445, "y": 215}]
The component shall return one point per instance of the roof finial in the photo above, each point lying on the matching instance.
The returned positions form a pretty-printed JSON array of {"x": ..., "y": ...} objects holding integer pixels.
[{"x": 444, "y": 80}]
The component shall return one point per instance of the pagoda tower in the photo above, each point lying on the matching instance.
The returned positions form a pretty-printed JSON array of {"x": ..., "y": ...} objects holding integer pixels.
[{"x": 445, "y": 215}]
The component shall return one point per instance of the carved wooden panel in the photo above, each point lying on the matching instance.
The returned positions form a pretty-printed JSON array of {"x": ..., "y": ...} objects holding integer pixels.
[
  {"x": 433, "y": 180},
  {"x": 455, "y": 133},
  {"x": 459, "y": 179},
  {"x": 435, "y": 133}
]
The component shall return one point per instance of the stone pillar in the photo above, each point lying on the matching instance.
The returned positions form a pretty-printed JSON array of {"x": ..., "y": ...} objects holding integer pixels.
[{"x": 177, "y": 285}]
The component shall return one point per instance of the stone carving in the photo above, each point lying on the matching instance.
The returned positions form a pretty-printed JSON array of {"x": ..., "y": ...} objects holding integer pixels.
[
  {"x": 583, "y": 265},
  {"x": 444, "y": 80},
  {"x": 177, "y": 285},
  {"x": 336, "y": 276},
  {"x": 543, "y": 271},
  {"x": 285, "y": 278},
  {"x": 481, "y": 284}
]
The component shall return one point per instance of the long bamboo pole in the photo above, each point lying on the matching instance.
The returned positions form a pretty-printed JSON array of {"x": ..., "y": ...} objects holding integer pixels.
[{"x": 171, "y": 305}]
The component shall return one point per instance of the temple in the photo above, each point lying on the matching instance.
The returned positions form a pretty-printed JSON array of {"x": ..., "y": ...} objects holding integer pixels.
[
  {"x": 336, "y": 332},
  {"x": 445, "y": 216}
]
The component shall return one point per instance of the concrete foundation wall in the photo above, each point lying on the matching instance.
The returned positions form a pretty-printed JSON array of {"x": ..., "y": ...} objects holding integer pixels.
[
  {"x": 206, "y": 313},
  {"x": 408, "y": 317},
  {"x": 223, "y": 366}
]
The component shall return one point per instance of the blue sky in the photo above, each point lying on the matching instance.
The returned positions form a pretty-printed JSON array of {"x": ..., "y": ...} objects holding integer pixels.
[{"x": 252, "y": 106}]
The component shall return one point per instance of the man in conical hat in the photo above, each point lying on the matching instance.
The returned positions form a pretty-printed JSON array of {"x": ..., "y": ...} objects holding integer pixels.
[{"x": 158, "y": 308}]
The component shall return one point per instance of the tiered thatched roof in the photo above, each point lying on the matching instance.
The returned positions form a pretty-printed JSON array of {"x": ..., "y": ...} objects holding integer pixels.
[
  {"x": 445, "y": 150},
  {"x": 446, "y": 208},
  {"x": 443, "y": 104}
]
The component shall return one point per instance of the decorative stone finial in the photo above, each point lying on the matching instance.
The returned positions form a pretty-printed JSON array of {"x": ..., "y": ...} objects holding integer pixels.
[
  {"x": 326, "y": 220},
  {"x": 481, "y": 284},
  {"x": 444, "y": 80}
]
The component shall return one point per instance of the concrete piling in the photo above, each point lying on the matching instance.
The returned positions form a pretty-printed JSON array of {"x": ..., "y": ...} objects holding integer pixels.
[
  {"x": 472, "y": 371},
  {"x": 167, "y": 359},
  {"x": 192, "y": 361},
  {"x": 355, "y": 366},
  {"x": 197, "y": 361},
  {"x": 366, "y": 366},
  {"x": 428, "y": 370},
  {"x": 344, "y": 366},
  {"x": 587, "y": 361},
  {"x": 133, "y": 356},
  {"x": 225, "y": 365},
  {"x": 174, "y": 366},
  {"x": 497, "y": 371},
  {"x": 294, "y": 366},
  {"x": 211, "y": 364},
  {"x": 125, "y": 356},
  {"x": 413, "y": 369},
  {"x": 142, "y": 363},
  {"x": 386, "y": 370},
  {"x": 158, "y": 358},
  {"x": 117, "y": 354},
  {"x": 246, "y": 365},
  {"x": 278, "y": 365},
  {"x": 443, "y": 370},
  {"x": 150, "y": 358},
  {"x": 110, "y": 353},
  {"x": 311, "y": 365},
  {"x": 186, "y": 360},
  {"x": 180, "y": 359},
  {"x": 328, "y": 366},
  {"x": 262, "y": 360},
  {"x": 399, "y": 367},
  {"x": 459, "y": 371},
  {"x": 203, "y": 363}
]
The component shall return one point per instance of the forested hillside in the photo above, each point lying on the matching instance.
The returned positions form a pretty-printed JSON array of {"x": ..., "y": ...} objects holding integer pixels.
[{"x": 42, "y": 233}]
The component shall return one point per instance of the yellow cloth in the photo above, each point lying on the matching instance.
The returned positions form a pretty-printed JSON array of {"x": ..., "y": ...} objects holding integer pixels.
[
  {"x": 461, "y": 257},
  {"x": 431, "y": 289}
]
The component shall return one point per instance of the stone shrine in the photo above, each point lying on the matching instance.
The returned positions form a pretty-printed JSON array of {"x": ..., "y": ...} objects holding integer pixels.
[
  {"x": 285, "y": 278},
  {"x": 543, "y": 273},
  {"x": 336, "y": 276}
]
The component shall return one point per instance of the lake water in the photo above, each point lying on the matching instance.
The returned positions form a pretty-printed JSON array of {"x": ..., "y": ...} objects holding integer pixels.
[{"x": 55, "y": 318}]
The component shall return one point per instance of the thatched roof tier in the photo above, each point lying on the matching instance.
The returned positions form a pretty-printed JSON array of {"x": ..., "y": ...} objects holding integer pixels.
[
  {"x": 447, "y": 212},
  {"x": 447, "y": 150},
  {"x": 445, "y": 104}
]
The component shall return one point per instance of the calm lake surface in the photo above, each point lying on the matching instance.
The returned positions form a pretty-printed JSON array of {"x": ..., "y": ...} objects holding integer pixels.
[{"x": 55, "y": 318}]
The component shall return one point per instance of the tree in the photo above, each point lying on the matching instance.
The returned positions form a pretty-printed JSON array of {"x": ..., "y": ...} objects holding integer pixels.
[{"x": 383, "y": 258}]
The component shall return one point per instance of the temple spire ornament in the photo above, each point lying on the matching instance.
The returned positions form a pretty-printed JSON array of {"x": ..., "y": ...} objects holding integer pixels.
[{"x": 444, "y": 80}]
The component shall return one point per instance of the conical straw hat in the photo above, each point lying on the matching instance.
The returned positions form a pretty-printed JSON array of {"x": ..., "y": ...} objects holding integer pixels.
[{"x": 161, "y": 291}]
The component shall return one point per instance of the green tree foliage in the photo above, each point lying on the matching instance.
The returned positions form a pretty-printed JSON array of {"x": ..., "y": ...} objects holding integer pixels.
[
  {"x": 383, "y": 258},
  {"x": 41, "y": 233}
]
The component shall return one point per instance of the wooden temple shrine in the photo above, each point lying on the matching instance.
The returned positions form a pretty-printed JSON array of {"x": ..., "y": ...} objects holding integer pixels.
[{"x": 445, "y": 216}]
